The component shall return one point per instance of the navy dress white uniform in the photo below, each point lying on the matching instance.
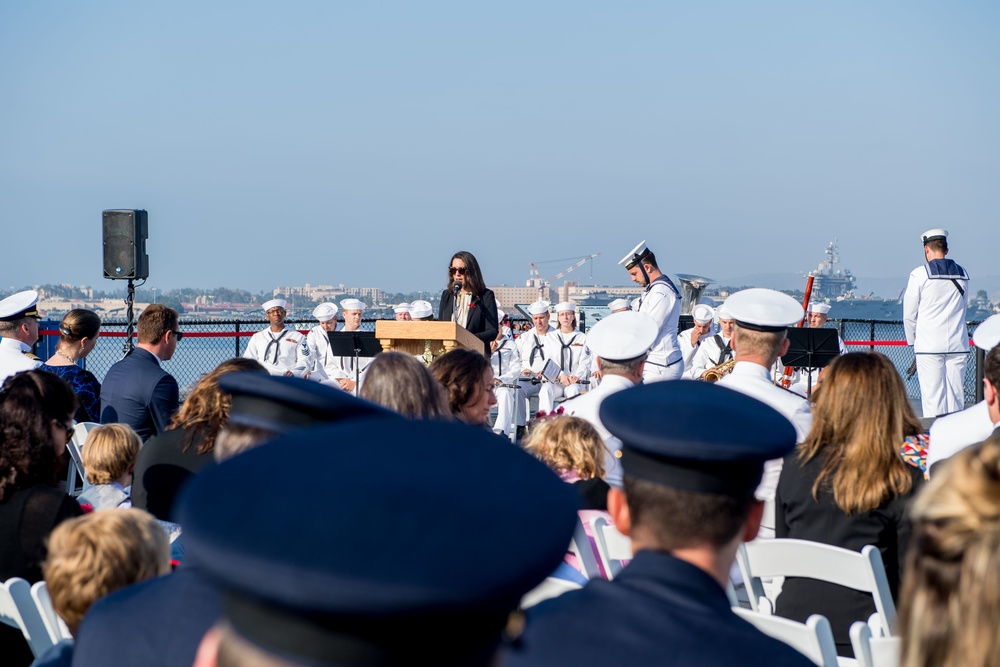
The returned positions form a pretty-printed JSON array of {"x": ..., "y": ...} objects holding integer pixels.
[
  {"x": 15, "y": 354},
  {"x": 619, "y": 337},
  {"x": 934, "y": 311},
  {"x": 505, "y": 532},
  {"x": 506, "y": 362},
  {"x": 802, "y": 381},
  {"x": 534, "y": 354},
  {"x": 280, "y": 351},
  {"x": 346, "y": 367},
  {"x": 661, "y": 301},
  {"x": 319, "y": 344},
  {"x": 702, "y": 314},
  {"x": 767, "y": 310},
  {"x": 953, "y": 433},
  {"x": 715, "y": 350},
  {"x": 662, "y": 609},
  {"x": 569, "y": 351}
]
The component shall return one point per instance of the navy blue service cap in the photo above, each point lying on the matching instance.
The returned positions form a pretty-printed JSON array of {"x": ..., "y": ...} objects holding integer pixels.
[
  {"x": 696, "y": 436},
  {"x": 279, "y": 404},
  {"x": 422, "y": 545}
]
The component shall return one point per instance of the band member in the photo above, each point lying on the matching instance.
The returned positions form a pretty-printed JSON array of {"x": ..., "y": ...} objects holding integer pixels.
[
  {"x": 690, "y": 339},
  {"x": 318, "y": 340},
  {"x": 343, "y": 369},
  {"x": 662, "y": 302},
  {"x": 279, "y": 348},
  {"x": 567, "y": 347},
  {"x": 531, "y": 345},
  {"x": 817, "y": 315},
  {"x": 506, "y": 362},
  {"x": 402, "y": 312},
  {"x": 717, "y": 349}
]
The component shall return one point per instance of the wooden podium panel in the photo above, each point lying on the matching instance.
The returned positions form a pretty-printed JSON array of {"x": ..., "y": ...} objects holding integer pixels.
[{"x": 412, "y": 337}]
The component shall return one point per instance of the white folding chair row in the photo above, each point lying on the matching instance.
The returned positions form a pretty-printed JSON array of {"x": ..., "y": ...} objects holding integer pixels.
[
  {"x": 75, "y": 449},
  {"x": 872, "y": 651},
  {"x": 800, "y": 558},
  {"x": 552, "y": 587},
  {"x": 813, "y": 639},
  {"x": 18, "y": 609},
  {"x": 55, "y": 626},
  {"x": 612, "y": 546}
]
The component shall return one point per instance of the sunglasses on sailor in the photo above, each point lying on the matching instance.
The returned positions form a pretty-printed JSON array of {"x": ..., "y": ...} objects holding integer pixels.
[{"x": 460, "y": 270}]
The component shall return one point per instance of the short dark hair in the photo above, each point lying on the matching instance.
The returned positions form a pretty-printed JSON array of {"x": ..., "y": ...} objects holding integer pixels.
[
  {"x": 677, "y": 519},
  {"x": 938, "y": 245},
  {"x": 156, "y": 321},
  {"x": 460, "y": 372},
  {"x": 473, "y": 276},
  {"x": 650, "y": 258},
  {"x": 991, "y": 367}
]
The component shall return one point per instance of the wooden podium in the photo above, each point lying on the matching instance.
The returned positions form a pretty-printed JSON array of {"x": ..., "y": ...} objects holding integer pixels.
[{"x": 412, "y": 337}]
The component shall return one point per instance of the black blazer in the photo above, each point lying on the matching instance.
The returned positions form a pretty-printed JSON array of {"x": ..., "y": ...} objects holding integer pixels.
[
  {"x": 482, "y": 315},
  {"x": 138, "y": 392}
]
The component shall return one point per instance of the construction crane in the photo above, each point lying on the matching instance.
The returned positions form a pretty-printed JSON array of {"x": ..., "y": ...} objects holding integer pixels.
[{"x": 535, "y": 277}]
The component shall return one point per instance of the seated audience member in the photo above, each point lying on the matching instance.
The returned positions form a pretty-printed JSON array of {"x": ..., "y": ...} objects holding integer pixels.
[
  {"x": 688, "y": 502},
  {"x": 108, "y": 462},
  {"x": 168, "y": 459},
  {"x": 94, "y": 555},
  {"x": 467, "y": 379},
  {"x": 36, "y": 422},
  {"x": 848, "y": 486},
  {"x": 950, "y": 602},
  {"x": 575, "y": 451},
  {"x": 78, "y": 334},
  {"x": 401, "y": 383},
  {"x": 421, "y": 311},
  {"x": 365, "y": 601},
  {"x": 167, "y": 617}
]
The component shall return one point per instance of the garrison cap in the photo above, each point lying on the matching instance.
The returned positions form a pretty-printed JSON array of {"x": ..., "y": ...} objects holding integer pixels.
[
  {"x": 818, "y": 307},
  {"x": 274, "y": 303},
  {"x": 538, "y": 308},
  {"x": 933, "y": 235},
  {"x": 420, "y": 309},
  {"x": 637, "y": 254},
  {"x": 703, "y": 313},
  {"x": 427, "y": 541},
  {"x": 761, "y": 309},
  {"x": 278, "y": 403},
  {"x": 622, "y": 336},
  {"x": 987, "y": 334},
  {"x": 618, "y": 304},
  {"x": 16, "y": 306},
  {"x": 672, "y": 434},
  {"x": 325, "y": 312},
  {"x": 352, "y": 304}
]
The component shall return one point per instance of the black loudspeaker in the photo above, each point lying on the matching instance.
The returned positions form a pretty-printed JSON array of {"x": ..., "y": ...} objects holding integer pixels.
[{"x": 125, "y": 233}]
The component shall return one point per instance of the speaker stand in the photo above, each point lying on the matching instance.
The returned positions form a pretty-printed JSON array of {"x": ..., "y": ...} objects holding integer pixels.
[{"x": 130, "y": 316}]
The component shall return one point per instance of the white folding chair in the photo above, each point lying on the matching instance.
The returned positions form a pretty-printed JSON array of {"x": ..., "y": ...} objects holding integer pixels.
[
  {"x": 612, "y": 546},
  {"x": 18, "y": 610},
  {"x": 813, "y": 639},
  {"x": 55, "y": 626},
  {"x": 874, "y": 651},
  {"x": 75, "y": 447},
  {"x": 550, "y": 588},
  {"x": 580, "y": 547},
  {"x": 800, "y": 558}
]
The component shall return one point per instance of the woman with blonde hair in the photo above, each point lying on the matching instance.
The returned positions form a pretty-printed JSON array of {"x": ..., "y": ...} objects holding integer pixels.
[
  {"x": 169, "y": 458},
  {"x": 575, "y": 451},
  {"x": 949, "y": 607},
  {"x": 848, "y": 486},
  {"x": 78, "y": 333}
]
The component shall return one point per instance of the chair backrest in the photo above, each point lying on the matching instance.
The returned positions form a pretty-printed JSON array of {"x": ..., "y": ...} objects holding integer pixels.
[
  {"x": 580, "y": 546},
  {"x": 612, "y": 546},
  {"x": 813, "y": 639},
  {"x": 18, "y": 609},
  {"x": 55, "y": 626},
  {"x": 75, "y": 449},
  {"x": 874, "y": 651},
  {"x": 550, "y": 588},
  {"x": 800, "y": 558}
]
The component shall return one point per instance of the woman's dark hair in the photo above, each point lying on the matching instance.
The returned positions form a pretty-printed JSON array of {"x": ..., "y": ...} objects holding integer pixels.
[
  {"x": 29, "y": 401},
  {"x": 79, "y": 324},
  {"x": 460, "y": 372},
  {"x": 473, "y": 276}
]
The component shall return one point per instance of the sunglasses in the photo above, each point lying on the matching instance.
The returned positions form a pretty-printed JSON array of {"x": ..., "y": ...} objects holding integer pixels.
[
  {"x": 460, "y": 270},
  {"x": 178, "y": 335}
]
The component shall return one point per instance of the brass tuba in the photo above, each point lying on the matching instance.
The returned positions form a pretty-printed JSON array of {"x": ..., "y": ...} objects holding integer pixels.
[
  {"x": 715, "y": 373},
  {"x": 691, "y": 290}
]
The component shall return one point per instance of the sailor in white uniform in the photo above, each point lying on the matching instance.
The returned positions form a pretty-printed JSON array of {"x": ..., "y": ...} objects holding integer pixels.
[
  {"x": 662, "y": 302},
  {"x": 319, "y": 344},
  {"x": 18, "y": 333},
  {"x": 619, "y": 342},
  {"x": 762, "y": 319},
  {"x": 691, "y": 339},
  {"x": 567, "y": 347},
  {"x": 934, "y": 311},
  {"x": 953, "y": 433},
  {"x": 717, "y": 349},
  {"x": 506, "y": 362},
  {"x": 344, "y": 369},
  {"x": 279, "y": 348},
  {"x": 401, "y": 313},
  {"x": 616, "y": 306},
  {"x": 534, "y": 354},
  {"x": 421, "y": 310},
  {"x": 817, "y": 315}
]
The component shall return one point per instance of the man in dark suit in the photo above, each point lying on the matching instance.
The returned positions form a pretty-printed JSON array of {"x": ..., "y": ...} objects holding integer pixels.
[{"x": 136, "y": 391}]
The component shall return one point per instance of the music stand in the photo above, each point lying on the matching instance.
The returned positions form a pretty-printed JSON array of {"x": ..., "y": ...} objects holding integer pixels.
[
  {"x": 685, "y": 322},
  {"x": 354, "y": 344},
  {"x": 811, "y": 349}
]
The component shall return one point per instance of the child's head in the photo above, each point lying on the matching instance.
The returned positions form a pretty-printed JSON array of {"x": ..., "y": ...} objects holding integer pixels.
[
  {"x": 98, "y": 553},
  {"x": 110, "y": 453},
  {"x": 568, "y": 444}
]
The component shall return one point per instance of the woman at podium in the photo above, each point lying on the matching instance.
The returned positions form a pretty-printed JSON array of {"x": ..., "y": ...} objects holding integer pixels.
[{"x": 466, "y": 300}]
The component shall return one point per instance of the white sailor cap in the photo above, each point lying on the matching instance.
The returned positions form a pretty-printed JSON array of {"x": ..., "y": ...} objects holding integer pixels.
[
  {"x": 818, "y": 307},
  {"x": 401, "y": 308},
  {"x": 420, "y": 309},
  {"x": 987, "y": 334},
  {"x": 325, "y": 312},
  {"x": 538, "y": 308},
  {"x": 703, "y": 313},
  {"x": 16, "y": 306},
  {"x": 274, "y": 303},
  {"x": 932, "y": 235},
  {"x": 618, "y": 304},
  {"x": 622, "y": 336},
  {"x": 723, "y": 312},
  {"x": 637, "y": 254},
  {"x": 500, "y": 315},
  {"x": 761, "y": 309},
  {"x": 564, "y": 306},
  {"x": 352, "y": 304}
]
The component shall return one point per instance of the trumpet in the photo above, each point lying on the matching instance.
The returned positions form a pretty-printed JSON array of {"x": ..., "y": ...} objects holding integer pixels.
[{"x": 716, "y": 373}]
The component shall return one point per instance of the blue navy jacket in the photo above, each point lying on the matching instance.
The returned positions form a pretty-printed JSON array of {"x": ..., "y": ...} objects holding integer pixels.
[
  {"x": 659, "y": 611},
  {"x": 137, "y": 392}
]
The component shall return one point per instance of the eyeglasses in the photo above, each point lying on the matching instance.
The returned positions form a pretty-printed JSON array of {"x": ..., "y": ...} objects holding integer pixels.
[
  {"x": 69, "y": 427},
  {"x": 460, "y": 270},
  {"x": 178, "y": 335}
]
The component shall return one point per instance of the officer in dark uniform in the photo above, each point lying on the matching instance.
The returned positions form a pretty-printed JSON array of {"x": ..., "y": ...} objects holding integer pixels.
[{"x": 688, "y": 502}]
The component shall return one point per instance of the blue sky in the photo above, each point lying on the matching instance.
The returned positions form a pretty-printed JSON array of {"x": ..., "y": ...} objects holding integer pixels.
[{"x": 363, "y": 143}]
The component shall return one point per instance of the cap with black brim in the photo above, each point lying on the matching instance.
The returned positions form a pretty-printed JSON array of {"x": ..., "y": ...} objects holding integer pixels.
[
  {"x": 761, "y": 309},
  {"x": 18, "y": 306}
]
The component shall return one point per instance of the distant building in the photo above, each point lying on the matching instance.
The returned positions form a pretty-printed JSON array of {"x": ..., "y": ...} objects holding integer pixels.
[{"x": 373, "y": 295}]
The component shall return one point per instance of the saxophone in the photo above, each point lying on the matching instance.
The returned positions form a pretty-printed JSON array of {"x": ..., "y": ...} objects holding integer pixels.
[{"x": 715, "y": 373}]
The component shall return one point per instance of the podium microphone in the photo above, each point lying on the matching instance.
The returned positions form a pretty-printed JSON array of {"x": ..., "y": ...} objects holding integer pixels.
[{"x": 454, "y": 302}]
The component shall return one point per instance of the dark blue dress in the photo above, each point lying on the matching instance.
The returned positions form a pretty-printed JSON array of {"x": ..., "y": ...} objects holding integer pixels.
[{"x": 85, "y": 386}]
